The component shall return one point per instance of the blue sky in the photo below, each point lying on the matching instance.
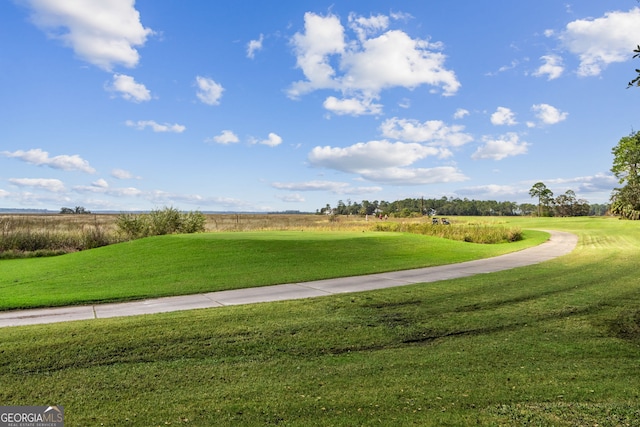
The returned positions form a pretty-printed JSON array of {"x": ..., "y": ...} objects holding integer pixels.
[{"x": 290, "y": 105}]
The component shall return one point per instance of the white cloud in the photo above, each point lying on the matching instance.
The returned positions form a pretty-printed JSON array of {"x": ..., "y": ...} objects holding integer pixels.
[
  {"x": 226, "y": 137},
  {"x": 602, "y": 41},
  {"x": 503, "y": 116},
  {"x": 394, "y": 59},
  {"x": 363, "y": 67},
  {"x": 156, "y": 127},
  {"x": 41, "y": 158},
  {"x": 385, "y": 162},
  {"x": 272, "y": 141},
  {"x": 351, "y": 106},
  {"x": 493, "y": 191},
  {"x": 433, "y": 132},
  {"x": 53, "y": 185},
  {"x": 103, "y": 33},
  {"x": 331, "y": 186},
  {"x": 209, "y": 92},
  {"x": 129, "y": 89},
  {"x": 100, "y": 183},
  {"x": 597, "y": 183},
  {"x": 548, "y": 114},
  {"x": 497, "y": 149},
  {"x": 372, "y": 155},
  {"x": 4, "y": 193},
  {"x": 411, "y": 176},
  {"x": 290, "y": 198},
  {"x": 364, "y": 27},
  {"x": 460, "y": 113},
  {"x": 552, "y": 67},
  {"x": 121, "y": 174},
  {"x": 323, "y": 36},
  {"x": 253, "y": 46}
]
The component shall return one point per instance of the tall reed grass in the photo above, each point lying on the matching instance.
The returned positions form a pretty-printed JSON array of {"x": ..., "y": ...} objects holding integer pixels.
[
  {"x": 44, "y": 235},
  {"x": 466, "y": 232}
]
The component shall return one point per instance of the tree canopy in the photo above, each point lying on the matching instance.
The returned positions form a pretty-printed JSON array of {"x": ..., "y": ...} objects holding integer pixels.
[
  {"x": 544, "y": 195},
  {"x": 625, "y": 201}
]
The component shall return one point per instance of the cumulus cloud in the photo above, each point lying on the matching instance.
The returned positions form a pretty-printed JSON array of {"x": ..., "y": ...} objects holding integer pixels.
[
  {"x": 122, "y": 174},
  {"x": 156, "y": 127},
  {"x": 129, "y": 89},
  {"x": 351, "y": 106},
  {"x": 331, "y": 186},
  {"x": 503, "y": 116},
  {"x": 552, "y": 67},
  {"x": 4, "y": 193},
  {"x": 493, "y": 191},
  {"x": 290, "y": 198},
  {"x": 505, "y": 146},
  {"x": 600, "y": 182},
  {"x": 103, "y": 33},
  {"x": 372, "y": 155},
  {"x": 601, "y": 41},
  {"x": 362, "y": 67},
  {"x": 415, "y": 176},
  {"x": 53, "y": 185},
  {"x": 209, "y": 92},
  {"x": 385, "y": 162},
  {"x": 433, "y": 132},
  {"x": 460, "y": 113},
  {"x": 548, "y": 114},
  {"x": 226, "y": 137},
  {"x": 253, "y": 46},
  {"x": 366, "y": 27},
  {"x": 41, "y": 158},
  {"x": 273, "y": 140},
  {"x": 100, "y": 183}
]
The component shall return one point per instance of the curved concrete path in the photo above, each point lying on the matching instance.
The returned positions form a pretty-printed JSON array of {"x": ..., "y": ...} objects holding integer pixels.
[{"x": 559, "y": 244}]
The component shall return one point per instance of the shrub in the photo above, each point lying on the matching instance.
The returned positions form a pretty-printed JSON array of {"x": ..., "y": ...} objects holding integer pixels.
[
  {"x": 160, "y": 222},
  {"x": 192, "y": 222},
  {"x": 133, "y": 226}
]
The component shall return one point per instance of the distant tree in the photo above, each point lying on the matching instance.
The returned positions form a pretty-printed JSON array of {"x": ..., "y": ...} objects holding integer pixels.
[
  {"x": 544, "y": 195},
  {"x": 598, "y": 209},
  {"x": 527, "y": 208},
  {"x": 625, "y": 201},
  {"x": 78, "y": 210},
  {"x": 568, "y": 204}
]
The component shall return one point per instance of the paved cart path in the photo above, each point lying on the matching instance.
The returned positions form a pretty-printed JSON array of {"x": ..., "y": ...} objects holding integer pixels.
[{"x": 560, "y": 243}]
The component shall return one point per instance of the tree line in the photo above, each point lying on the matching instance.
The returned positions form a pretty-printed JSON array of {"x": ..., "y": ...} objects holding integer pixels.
[{"x": 564, "y": 205}]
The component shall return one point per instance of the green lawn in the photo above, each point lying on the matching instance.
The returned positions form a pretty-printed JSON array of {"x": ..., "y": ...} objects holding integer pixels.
[
  {"x": 193, "y": 263},
  {"x": 554, "y": 344}
]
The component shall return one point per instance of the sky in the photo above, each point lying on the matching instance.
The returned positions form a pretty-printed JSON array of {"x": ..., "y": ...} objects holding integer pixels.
[{"x": 290, "y": 105}]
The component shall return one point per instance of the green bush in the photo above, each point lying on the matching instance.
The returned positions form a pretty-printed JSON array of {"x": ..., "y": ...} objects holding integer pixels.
[
  {"x": 160, "y": 222},
  {"x": 133, "y": 226}
]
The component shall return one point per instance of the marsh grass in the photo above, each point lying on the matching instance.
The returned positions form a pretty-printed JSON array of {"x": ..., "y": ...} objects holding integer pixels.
[
  {"x": 462, "y": 231},
  {"x": 23, "y": 236},
  {"x": 44, "y": 235}
]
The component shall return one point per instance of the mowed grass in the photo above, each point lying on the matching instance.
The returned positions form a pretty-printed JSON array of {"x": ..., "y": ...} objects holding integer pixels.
[
  {"x": 554, "y": 344},
  {"x": 193, "y": 263}
]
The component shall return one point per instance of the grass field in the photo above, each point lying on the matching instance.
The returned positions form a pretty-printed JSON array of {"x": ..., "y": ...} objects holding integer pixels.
[
  {"x": 206, "y": 262},
  {"x": 557, "y": 344}
]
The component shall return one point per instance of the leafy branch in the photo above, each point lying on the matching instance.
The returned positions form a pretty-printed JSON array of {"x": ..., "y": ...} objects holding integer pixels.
[{"x": 636, "y": 81}]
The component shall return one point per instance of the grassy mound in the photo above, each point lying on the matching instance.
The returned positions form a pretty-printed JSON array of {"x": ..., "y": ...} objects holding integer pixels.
[{"x": 193, "y": 263}]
